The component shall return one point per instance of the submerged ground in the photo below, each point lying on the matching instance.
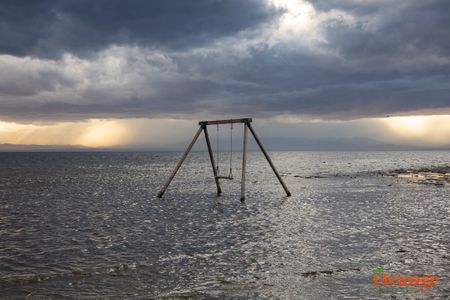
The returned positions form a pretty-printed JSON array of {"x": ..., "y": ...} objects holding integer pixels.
[{"x": 85, "y": 225}]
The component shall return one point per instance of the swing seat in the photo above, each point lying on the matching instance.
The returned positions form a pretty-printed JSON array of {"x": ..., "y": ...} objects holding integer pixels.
[
  {"x": 225, "y": 177},
  {"x": 229, "y": 177}
]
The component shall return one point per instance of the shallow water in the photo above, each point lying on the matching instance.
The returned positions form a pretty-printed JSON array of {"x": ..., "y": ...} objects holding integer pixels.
[{"x": 83, "y": 225}]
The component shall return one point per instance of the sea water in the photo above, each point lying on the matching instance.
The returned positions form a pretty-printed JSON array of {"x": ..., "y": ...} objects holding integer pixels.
[{"x": 86, "y": 225}]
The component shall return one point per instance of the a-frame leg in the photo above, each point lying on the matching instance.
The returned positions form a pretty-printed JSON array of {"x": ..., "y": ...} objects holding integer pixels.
[
  {"x": 244, "y": 160},
  {"x": 211, "y": 157},
  {"x": 163, "y": 190},
  {"x": 268, "y": 159}
]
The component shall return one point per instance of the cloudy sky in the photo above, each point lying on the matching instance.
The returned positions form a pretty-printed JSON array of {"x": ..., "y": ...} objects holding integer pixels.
[{"x": 113, "y": 72}]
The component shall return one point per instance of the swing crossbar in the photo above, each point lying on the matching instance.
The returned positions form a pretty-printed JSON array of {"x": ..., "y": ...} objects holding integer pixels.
[{"x": 229, "y": 121}]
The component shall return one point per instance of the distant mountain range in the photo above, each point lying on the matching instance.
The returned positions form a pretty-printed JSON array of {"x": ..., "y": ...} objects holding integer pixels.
[
  {"x": 18, "y": 147},
  {"x": 272, "y": 143}
]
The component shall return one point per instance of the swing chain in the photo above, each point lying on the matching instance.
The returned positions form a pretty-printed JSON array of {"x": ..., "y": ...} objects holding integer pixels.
[
  {"x": 230, "y": 174},
  {"x": 217, "y": 150},
  {"x": 231, "y": 151}
]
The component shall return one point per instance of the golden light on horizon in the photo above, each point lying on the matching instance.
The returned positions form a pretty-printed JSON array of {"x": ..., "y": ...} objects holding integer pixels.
[
  {"x": 97, "y": 132},
  {"x": 408, "y": 130},
  {"x": 14, "y": 133},
  {"x": 7, "y": 126},
  {"x": 102, "y": 133},
  {"x": 429, "y": 129},
  {"x": 92, "y": 133},
  {"x": 413, "y": 125}
]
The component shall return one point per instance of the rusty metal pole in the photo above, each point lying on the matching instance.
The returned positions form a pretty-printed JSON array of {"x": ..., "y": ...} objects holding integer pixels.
[
  {"x": 163, "y": 190},
  {"x": 211, "y": 157},
  {"x": 244, "y": 158},
  {"x": 269, "y": 160}
]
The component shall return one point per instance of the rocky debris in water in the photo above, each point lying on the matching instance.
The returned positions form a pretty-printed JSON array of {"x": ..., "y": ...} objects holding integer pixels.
[
  {"x": 225, "y": 280},
  {"x": 309, "y": 176},
  {"x": 438, "y": 176},
  {"x": 184, "y": 295},
  {"x": 443, "y": 170},
  {"x": 81, "y": 273},
  {"x": 327, "y": 272},
  {"x": 26, "y": 279},
  {"x": 120, "y": 267}
]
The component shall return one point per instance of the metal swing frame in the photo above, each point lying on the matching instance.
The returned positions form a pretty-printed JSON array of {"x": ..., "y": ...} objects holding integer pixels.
[{"x": 203, "y": 127}]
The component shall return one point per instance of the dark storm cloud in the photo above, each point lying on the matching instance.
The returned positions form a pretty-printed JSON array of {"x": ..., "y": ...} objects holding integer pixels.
[
  {"x": 49, "y": 28},
  {"x": 398, "y": 52},
  {"x": 396, "y": 28},
  {"x": 190, "y": 58},
  {"x": 330, "y": 87}
]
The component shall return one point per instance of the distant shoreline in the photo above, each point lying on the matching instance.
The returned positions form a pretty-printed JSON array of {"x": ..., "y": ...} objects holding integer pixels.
[{"x": 201, "y": 151}]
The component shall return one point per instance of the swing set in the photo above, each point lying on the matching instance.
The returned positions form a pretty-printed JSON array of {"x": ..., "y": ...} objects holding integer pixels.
[{"x": 215, "y": 165}]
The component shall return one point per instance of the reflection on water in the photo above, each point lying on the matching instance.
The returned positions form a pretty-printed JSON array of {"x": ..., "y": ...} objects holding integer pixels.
[{"x": 89, "y": 224}]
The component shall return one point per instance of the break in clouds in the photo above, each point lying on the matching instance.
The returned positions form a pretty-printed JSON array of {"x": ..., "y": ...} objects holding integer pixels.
[{"x": 72, "y": 60}]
